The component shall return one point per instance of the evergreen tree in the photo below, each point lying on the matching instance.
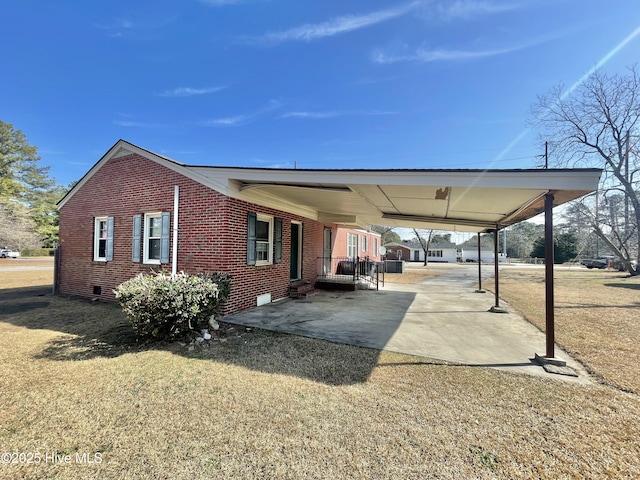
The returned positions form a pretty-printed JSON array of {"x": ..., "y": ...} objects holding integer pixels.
[
  {"x": 565, "y": 247},
  {"x": 27, "y": 193}
]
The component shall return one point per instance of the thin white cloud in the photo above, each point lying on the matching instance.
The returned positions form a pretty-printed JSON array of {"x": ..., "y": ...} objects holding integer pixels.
[
  {"x": 189, "y": 91},
  {"x": 126, "y": 26},
  {"x": 333, "y": 114},
  {"x": 228, "y": 121},
  {"x": 339, "y": 25},
  {"x": 119, "y": 24},
  {"x": 465, "y": 9},
  {"x": 243, "y": 119},
  {"x": 425, "y": 55}
]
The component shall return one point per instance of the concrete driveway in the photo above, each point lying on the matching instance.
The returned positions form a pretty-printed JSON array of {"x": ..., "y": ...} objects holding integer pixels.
[{"x": 441, "y": 318}]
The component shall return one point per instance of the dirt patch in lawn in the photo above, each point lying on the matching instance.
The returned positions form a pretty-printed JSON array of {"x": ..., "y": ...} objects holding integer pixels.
[{"x": 597, "y": 317}]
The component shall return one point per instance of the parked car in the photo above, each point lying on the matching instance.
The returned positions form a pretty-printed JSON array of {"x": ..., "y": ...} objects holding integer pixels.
[
  {"x": 595, "y": 262},
  {"x": 605, "y": 262},
  {"x": 6, "y": 253}
]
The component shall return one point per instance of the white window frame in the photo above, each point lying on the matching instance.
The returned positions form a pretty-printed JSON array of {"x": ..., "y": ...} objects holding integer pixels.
[
  {"x": 146, "y": 238},
  {"x": 97, "y": 238},
  {"x": 365, "y": 243},
  {"x": 375, "y": 246},
  {"x": 352, "y": 245},
  {"x": 435, "y": 253},
  {"x": 266, "y": 219}
]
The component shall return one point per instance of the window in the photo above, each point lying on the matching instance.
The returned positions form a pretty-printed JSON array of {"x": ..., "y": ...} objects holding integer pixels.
[
  {"x": 435, "y": 253},
  {"x": 375, "y": 247},
  {"x": 365, "y": 243},
  {"x": 264, "y": 234},
  {"x": 154, "y": 233},
  {"x": 103, "y": 239},
  {"x": 352, "y": 245},
  {"x": 264, "y": 237}
]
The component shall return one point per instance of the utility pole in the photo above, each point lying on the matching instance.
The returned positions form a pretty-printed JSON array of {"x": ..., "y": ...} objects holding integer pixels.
[{"x": 546, "y": 155}]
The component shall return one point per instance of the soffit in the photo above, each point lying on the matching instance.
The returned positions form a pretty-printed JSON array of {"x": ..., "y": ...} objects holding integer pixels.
[{"x": 468, "y": 203}]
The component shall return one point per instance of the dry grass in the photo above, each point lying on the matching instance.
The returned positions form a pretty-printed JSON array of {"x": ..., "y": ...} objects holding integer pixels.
[
  {"x": 30, "y": 278},
  {"x": 597, "y": 317},
  {"x": 267, "y": 405}
]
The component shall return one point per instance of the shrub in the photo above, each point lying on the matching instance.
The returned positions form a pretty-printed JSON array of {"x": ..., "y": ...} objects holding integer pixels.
[
  {"x": 37, "y": 252},
  {"x": 162, "y": 306}
]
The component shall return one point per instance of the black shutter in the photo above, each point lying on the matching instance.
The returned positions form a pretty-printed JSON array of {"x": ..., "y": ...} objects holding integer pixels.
[
  {"x": 277, "y": 240},
  {"x": 251, "y": 238}
]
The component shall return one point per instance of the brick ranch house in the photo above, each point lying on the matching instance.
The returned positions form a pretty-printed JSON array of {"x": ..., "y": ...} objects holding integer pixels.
[
  {"x": 117, "y": 222},
  {"x": 136, "y": 211}
]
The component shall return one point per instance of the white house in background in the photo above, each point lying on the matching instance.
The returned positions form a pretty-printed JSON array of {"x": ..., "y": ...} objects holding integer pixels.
[
  {"x": 486, "y": 255},
  {"x": 438, "y": 252}
]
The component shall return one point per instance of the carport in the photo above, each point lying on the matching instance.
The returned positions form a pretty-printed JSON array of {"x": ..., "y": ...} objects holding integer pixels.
[{"x": 478, "y": 201}]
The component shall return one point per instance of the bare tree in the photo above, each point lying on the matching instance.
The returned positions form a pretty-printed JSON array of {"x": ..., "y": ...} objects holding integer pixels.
[
  {"x": 424, "y": 237},
  {"x": 597, "y": 125},
  {"x": 387, "y": 234},
  {"x": 17, "y": 229}
]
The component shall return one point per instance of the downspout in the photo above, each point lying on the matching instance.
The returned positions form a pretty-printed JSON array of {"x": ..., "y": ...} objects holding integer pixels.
[{"x": 174, "y": 259}]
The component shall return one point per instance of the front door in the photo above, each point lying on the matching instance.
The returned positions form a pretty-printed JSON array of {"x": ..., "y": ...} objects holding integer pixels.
[{"x": 296, "y": 252}]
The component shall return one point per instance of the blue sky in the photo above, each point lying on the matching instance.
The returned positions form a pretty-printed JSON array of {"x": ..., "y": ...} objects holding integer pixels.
[{"x": 317, "y": 84}]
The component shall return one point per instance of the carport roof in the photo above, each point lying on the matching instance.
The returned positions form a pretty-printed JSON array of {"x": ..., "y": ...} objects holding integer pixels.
[{"x": 459, "y": 200}]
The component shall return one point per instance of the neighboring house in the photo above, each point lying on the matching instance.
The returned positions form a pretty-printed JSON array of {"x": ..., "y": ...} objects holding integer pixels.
[
  {"x": 353, "y": 243},
  {"x": 486, "y": 255},
  {"x": 118, "y": 221},
  {"x": 413, "y": 252},
  {"x": 396, "y": 251}
]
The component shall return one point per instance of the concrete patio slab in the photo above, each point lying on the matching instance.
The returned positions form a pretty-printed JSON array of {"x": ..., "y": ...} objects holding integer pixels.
[{"x": 441, "y": 318}]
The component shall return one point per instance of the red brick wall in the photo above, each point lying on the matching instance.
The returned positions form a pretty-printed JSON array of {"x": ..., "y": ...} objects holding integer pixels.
[
  {"x": 212, "y": 233},
  {"x": 392, "y": 253},
  {"x": 340, "y": 244}
]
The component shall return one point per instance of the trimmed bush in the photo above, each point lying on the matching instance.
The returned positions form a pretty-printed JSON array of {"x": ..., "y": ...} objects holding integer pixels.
[{"x": 163, "y": 307}]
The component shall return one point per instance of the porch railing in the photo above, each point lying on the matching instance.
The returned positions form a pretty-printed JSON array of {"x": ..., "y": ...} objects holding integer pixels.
[{"x": 351, "y": 270}]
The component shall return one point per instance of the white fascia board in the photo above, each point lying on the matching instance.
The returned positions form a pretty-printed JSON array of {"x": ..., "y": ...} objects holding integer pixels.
[
  {"x": 123, "y": 148},
  {"x": 555, "y": 179}
]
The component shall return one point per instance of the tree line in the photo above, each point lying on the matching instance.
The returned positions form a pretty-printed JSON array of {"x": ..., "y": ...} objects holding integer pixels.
[{"x": 28, "y": 196}]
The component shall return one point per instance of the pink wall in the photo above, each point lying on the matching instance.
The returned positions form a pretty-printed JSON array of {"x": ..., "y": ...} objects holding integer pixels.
[{"x": 340, "y": 243}]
